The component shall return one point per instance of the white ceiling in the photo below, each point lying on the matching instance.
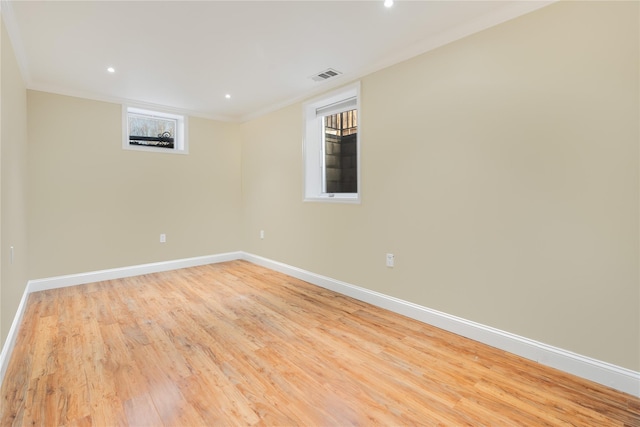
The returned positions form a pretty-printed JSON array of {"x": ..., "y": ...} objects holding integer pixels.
[{"x": 188, "y": 54}]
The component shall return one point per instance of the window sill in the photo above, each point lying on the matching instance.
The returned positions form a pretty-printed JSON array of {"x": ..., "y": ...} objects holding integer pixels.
[
  {"x": 335, "y": 198},
  {"x": 154, "y": 149}
]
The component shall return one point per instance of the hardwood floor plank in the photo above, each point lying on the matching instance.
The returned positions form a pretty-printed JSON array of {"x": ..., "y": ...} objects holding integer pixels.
[
  {"x": 44, "y": 351},
  {"x": 127, "y": 378},
  {"x": 14, "y": 393},
  {"x": 165, "y": 396},
  {"x": 80, "y": 422},
  {"x": 141, "y": 412},
  {"x": 236, "y": 344},
  {"x": 74, "y": 356}
]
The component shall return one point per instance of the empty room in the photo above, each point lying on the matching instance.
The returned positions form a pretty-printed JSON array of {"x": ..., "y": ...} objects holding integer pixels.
[{"x": 320, "y": 213}]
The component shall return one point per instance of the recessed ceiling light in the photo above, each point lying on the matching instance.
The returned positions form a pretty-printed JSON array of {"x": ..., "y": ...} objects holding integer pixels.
[
  {"x": 388, "y": 3},
  {"x": 227, "y": 96},
  {"x": 111, "y": 70}
]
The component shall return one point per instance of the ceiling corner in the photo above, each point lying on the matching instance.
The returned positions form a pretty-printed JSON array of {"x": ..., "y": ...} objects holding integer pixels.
[{"x": 8, "y": 17}]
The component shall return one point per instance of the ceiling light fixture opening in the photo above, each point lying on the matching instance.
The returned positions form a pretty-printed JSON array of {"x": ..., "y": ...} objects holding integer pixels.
[
  {"x": 388, "y": 3},
  {"x": 111, "y": 70},
  {"x": 228, "y": 96}
]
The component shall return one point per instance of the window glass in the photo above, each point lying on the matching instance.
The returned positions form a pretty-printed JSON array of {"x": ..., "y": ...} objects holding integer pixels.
[
  {"x": 152, "y": 131},
  {"x": 149, "y": 130},
  {"x": 341, "y": 152},
  {"x": 332, "y": 146}
]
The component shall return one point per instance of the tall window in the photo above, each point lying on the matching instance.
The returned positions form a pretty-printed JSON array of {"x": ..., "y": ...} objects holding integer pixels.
[
  {"x": 331, "y": 147},
  {"x": 153, "y": 130}
]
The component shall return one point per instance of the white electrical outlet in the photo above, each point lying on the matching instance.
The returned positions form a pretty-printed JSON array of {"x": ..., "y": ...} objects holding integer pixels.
[
  {"x": 391, "y": 260},
  {"x": 163, "y": 238},
  {"x": 262, "y": 234},
  {"x": 11, "y": 255}
]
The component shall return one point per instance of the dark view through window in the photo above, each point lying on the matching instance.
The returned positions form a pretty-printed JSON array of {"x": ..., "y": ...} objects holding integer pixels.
[
  {"x": 151, "y": 131},
  {"x": 340, "y": 152}
]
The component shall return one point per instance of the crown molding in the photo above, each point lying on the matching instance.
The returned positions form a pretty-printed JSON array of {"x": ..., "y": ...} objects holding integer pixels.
[
  {"x": 509, "y": 11},
  {"x": 11, "y": 25},
  {"x": 498, "y": 16},
  {"x": 120, "y": 100}
]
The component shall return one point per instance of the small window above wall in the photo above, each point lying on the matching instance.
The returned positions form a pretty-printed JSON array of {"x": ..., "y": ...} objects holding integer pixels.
[{"x": 148, "y": 130}]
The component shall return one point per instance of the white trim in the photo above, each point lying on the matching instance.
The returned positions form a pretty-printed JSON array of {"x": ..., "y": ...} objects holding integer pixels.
[
  {"x": 610, "y": 375},
  {"x": 489, "y": 20},
  {"x": 119, "y": 273},
  {"x": 594, "y": 370},
  {"x": 496, "y": 17},
  {"x": 11, "y": 25},
  {"x": 112, "y": 99},
  {"x": 10, "y": 342},
  {"x": 510, "y": 11},
  {"x": 98, "y": 276}
]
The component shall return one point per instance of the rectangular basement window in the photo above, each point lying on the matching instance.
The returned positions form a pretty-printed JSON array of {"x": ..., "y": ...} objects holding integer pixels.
[
  {"x": 152, "y": 130},
  {"x": 331, "y": 146}
]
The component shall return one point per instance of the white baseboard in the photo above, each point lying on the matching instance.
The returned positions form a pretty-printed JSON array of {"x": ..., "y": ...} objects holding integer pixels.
[
  {"x": 10, "y": 342},
  {"x": 97, "y": 276},
  {"x": 613, "y": 376},
  {"x": 135, "y": 270}
]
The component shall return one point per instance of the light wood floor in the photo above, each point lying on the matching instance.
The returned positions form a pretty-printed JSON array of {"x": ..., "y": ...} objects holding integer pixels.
[{"x": 237, "y": 344}]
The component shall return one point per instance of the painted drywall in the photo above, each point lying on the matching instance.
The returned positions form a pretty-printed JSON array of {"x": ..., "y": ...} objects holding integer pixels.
[
  {"x": 13, "y": 184},
  {"x": 94, "y": 206},
  {"x": 502, "y": 171}
]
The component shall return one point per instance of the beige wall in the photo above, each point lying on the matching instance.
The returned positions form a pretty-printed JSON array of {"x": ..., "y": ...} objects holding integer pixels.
[
  {"x": 93, "y": 205},
  {"x": 13, "y": 179},
  {"x": 501, "y": 170}
]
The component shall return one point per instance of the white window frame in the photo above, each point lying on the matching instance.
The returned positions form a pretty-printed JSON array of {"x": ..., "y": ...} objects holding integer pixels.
[
  {"x": 181, "y": 143},
  {"x": 313, "y": 144}
]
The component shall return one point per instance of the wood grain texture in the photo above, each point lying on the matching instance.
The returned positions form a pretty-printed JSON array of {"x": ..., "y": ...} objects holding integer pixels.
[{"x": 237, "y": 344}]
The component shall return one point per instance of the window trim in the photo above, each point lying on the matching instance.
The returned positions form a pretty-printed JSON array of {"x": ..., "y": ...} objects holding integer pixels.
[
  {"x": 181, "y": 144},
  {"x": 312, "y": 146}
]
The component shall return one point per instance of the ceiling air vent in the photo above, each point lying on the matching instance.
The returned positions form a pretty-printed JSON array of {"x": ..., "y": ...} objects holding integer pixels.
[{"x": 325, "y": 75}]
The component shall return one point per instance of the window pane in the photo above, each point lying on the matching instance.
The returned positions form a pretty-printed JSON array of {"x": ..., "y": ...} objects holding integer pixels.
[
  {"x": 340, "y": 152},
  {"x": 152, "y": 131}
]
